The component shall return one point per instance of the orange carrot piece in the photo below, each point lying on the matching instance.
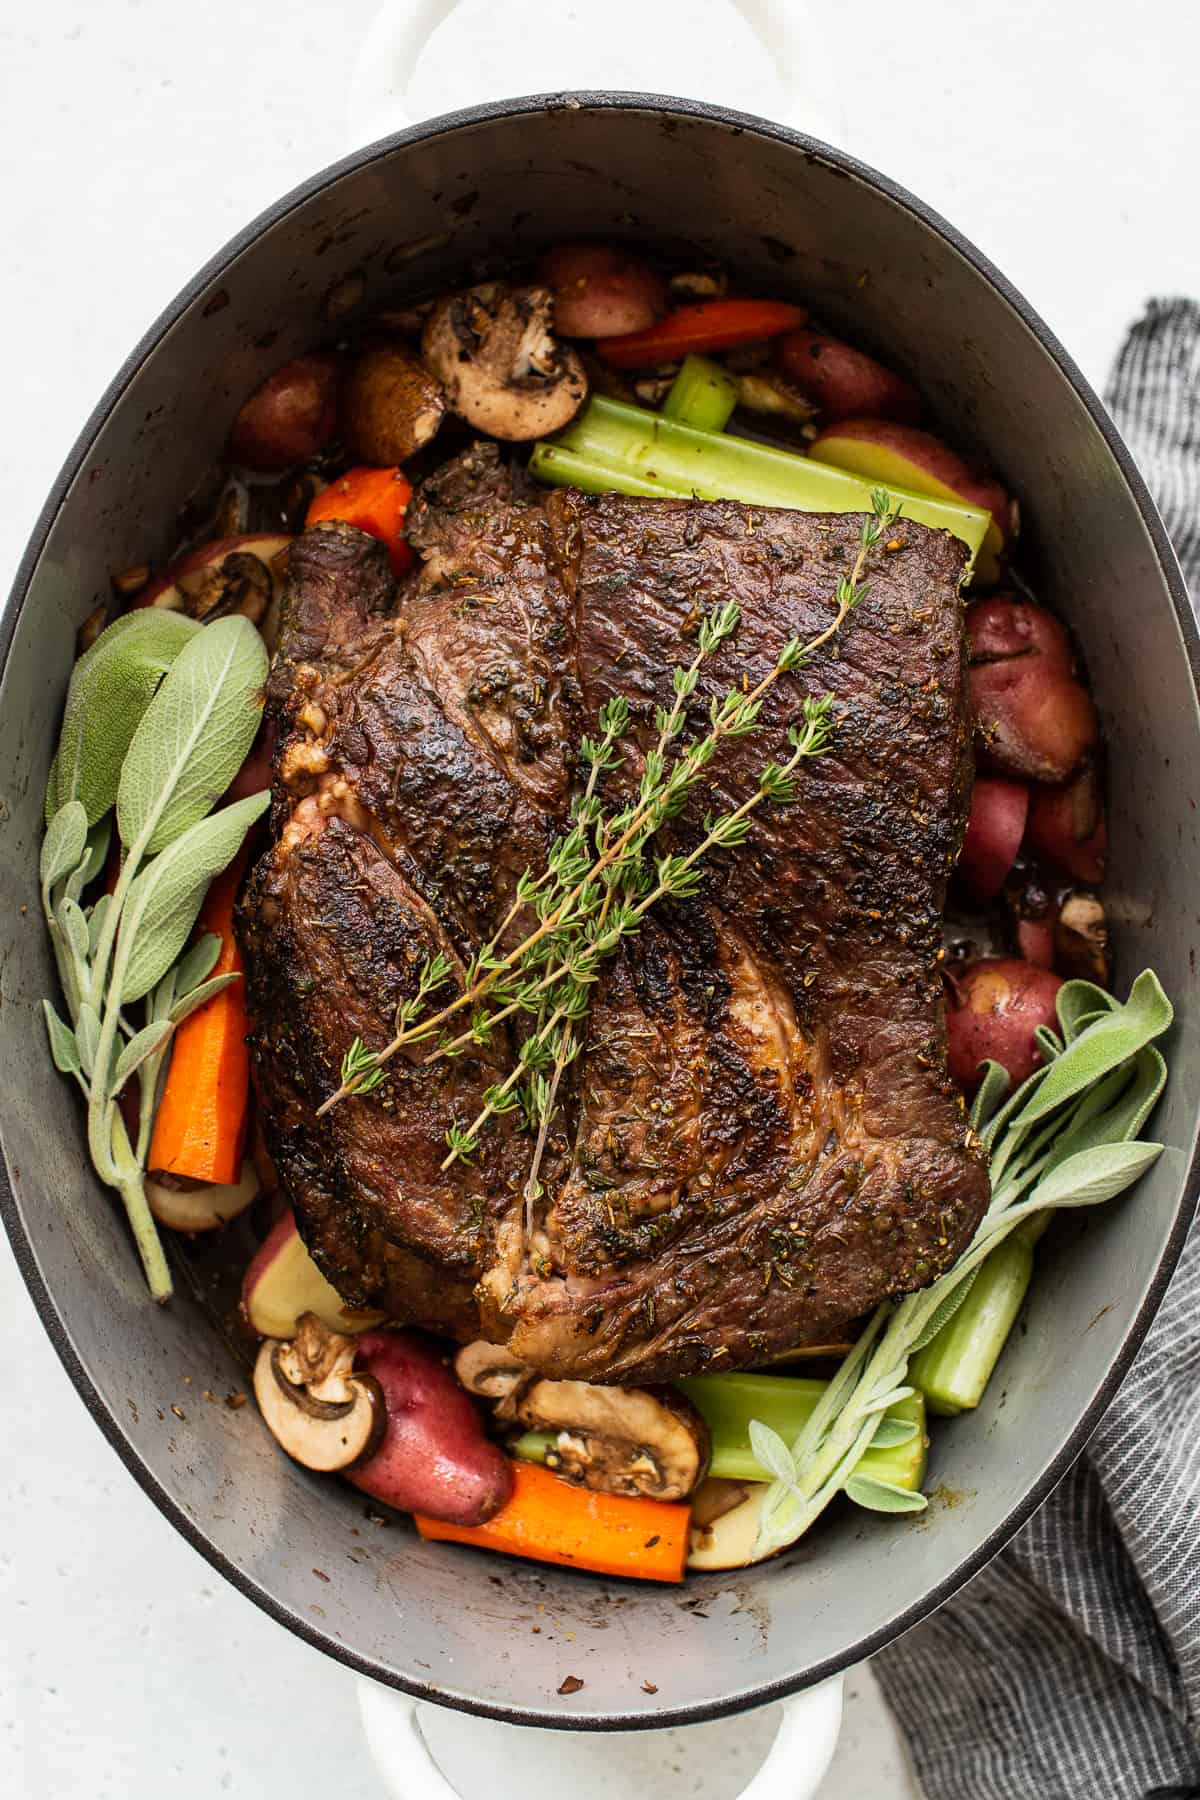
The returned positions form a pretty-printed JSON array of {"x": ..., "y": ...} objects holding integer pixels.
[
  {"x": 376, "y": 500},
  {"x": 706, "y": 325},
  {"x": 550, "y": 1520},
  {"x": 200, "y": 1126}
]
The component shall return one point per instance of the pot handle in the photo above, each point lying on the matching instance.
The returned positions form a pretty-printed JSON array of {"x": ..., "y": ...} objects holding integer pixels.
[
  {"x": 795, "y": 1765},
  {"x": 378, "y": 98}
]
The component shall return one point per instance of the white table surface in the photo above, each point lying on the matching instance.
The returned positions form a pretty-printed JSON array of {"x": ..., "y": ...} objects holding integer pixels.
[{"x": 135, "y": 137}]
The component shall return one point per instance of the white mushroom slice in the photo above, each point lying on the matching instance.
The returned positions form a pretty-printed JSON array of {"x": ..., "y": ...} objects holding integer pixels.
[
  {"x": 766, "y": 391},
  {"x": 727, "y": 1539},
  {"x": 490, "y": 1371},
  {"x": 315, "y": 1406},
  {"x": 501, "y": 369},
  {"x": 201, "y": 1205},
  {"x": 648, "y": 1441}
]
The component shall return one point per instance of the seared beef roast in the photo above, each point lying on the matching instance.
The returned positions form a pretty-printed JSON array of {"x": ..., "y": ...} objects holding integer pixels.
[{"x": 759, "y": 1140}]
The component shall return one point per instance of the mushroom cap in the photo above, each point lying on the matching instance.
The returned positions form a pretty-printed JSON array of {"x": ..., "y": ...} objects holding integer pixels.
[
  {"x": 648, "y": 1441},
  {"x": 314, "y": 1405},
  {"x": 391, "y": 405},
  {"x": 502, "y": 370}
]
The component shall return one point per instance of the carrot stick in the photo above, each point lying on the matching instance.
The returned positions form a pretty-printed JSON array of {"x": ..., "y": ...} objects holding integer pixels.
[
  {"x": 375, "y": 500},
  {"x": 200, "y": 1126},
  {"x": 708, "y": 325},
  {"x": 548, "y": 1520}
]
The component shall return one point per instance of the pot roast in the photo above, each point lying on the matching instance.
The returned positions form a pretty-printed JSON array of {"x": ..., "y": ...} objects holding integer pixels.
[{"x": 759, "y": 1139}]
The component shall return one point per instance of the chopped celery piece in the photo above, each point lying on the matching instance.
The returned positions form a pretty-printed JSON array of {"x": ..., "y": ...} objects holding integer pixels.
[
  {"x": 703, "y": 395},
  {"x": 784, "y": 1402},
  {"x": 618, "y": 449},
  {"x": 953, "y": 1369}
]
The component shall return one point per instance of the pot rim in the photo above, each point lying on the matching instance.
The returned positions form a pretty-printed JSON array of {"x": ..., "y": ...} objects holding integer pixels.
[{"x": 57, "y": 1327}]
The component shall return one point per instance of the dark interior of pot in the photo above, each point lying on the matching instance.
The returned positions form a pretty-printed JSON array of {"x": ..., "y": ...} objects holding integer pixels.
[{"x": 456, "y": 202}]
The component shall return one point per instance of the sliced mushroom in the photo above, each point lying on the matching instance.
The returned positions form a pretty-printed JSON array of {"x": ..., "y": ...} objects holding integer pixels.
[
  {"x": 648, "y": 1441},
  {"x": 1081, "y": 939},
  {"x": 503, "y": 371},
  {"x": 491, "y": 1371},
  {"x": 391, "y": 405},
  {"x": 315, "y": 1406},
  {"x": 765, "y": 391},
  {"x": 699, "y": 284}
]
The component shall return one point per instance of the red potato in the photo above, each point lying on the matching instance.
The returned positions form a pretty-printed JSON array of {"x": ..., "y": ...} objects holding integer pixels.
[
  {"x": 994, "y": 832},
  {"x": 282, "y": 1283},
  {"x": 1035, "y": 939},
  {"x": 434, "y": 1458},
  {"x": 902, "y": 456},
  {"x": 1067, "y": 826},
  {"x": 996, "y": 1006},
  {"x": 601, "y": 291},
  {"x": 290, "y": 416},
  {"x": 1035, "y": 718},
  {"x": 844, "y": 383}
]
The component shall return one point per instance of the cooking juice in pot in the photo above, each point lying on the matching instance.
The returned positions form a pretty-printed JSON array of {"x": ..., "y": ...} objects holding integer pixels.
[{"x": 595, "y": 847}]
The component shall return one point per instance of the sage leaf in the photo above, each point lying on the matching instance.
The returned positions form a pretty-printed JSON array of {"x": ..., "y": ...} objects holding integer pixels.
[
  {"x": 883, "y": 1496},
  {"x": 197, "y": 962},
  {"x": 96, "y": 918},
  {"x": 63, "y": 1047},
  {"x": 891, "y": 1433},
  {"x": 63, "y": 847},
  {"x": 1092, "y": 1176},
  {"x": 990, "y": 1095},
  {"x": 1102, "y": 1046},
  {"x": 74, "y": 928},
  {"x": 770, "y": 1452},
  {"x": 163, "y": 901},
  {"x": 1048, "y": 1042},
  {"x": 87, "y": 1035},
  {"x": 200, "y": 995},
  {"x": 945, "y": 1311},
  {"x": 111, "y": 687},
  {"x": 143, "y": 1044},
  {"x": 194, "y": 735},
  {"x": 1078, "y": 1001}
]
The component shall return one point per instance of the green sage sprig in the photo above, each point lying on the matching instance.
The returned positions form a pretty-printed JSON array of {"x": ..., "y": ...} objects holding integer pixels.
[
  {"x": 1067, "y": 1137},
  {"x": 159, "y": 717}
]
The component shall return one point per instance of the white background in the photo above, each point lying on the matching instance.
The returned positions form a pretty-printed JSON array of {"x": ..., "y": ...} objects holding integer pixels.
[{"x": 137, "y": 135}]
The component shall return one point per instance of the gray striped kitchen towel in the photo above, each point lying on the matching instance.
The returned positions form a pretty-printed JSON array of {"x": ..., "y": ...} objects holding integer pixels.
[{"x": 1070, "y": 1668}]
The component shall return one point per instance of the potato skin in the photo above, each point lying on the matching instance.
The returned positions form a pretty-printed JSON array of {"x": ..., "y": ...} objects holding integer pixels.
[
  {"x": 391, "y": 406},
  {"x": 844, "y": 383},
  {"x": 994, "y": 831},
  {"x": 1067, "y": 827},
  {"x": 1035, "y": 718},
  {"x": 601, "y": 290},
  {"x": 995, "y": 1008},
  {"x": 290, "y": 416},
  {"x": 434, "y": 1457}
]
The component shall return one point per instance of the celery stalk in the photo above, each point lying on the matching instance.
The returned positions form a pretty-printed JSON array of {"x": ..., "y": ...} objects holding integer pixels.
[
  {"x": 954, "y": 1368},
  {"x": 618, "y": 449},
  {"x": 729, "y": 1402},
  {"x": 702, "y": 395}
]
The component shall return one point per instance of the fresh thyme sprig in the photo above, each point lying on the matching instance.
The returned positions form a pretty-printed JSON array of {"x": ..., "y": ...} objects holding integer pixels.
[
  {"x": 361, "y": 1067},
  {"x": 588, "y": 864}
]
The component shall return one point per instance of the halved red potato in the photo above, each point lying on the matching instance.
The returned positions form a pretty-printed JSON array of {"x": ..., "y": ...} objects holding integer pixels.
[
  {"x": 237, "y": 574},
  {"x": 201, "y": 1205},
  {"x": 1067, "y": 826},
  {"x": 843, "y": 382},
  {"x": 898, "y": 455},
  {"x": 290, "y": 417},
  {"x": 282, "y": 1283},
  {"x": 601, "y": 290},
  {"x": 1035, "y": 718},
  {"x": 994, "y": 832},
  {"x": 995, "y": 1006},
  {"x": 435, "y": 1457}
]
